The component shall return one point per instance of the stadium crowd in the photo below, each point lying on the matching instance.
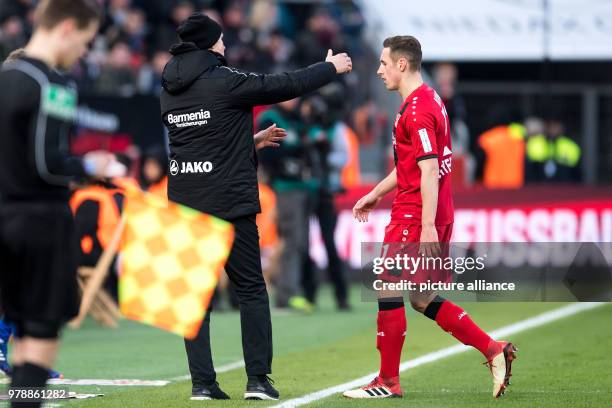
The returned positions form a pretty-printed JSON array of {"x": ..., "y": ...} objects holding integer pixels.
[{"x": 131, "y": 49}]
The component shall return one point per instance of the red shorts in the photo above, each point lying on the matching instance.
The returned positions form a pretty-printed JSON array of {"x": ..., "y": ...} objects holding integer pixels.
[{"x": 403, "y": 239}]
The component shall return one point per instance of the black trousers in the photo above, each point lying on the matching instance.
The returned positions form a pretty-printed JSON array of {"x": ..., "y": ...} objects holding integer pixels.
[
  {"x": 243, "y": 268},
  {"x": 325, "y": 210}
]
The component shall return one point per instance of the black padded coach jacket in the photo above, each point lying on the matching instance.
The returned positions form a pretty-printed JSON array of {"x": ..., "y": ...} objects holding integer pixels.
[{"x": 207, "y": 109}]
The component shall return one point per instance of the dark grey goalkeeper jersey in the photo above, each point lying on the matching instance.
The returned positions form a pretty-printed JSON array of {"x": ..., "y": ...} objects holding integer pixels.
[{"x": 37, "y": 111}]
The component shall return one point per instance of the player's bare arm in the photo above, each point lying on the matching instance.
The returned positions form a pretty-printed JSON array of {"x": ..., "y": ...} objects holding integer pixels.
[
  {"x": 367, "y": 203},
  {"x": 429, "y": 193}
]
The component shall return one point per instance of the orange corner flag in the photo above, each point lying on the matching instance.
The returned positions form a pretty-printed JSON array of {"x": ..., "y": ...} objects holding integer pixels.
[{"x": 171, "y": 259}]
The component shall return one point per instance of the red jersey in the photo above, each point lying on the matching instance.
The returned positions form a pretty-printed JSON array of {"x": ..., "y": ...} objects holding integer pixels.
[{"x": 421, "y": 131}]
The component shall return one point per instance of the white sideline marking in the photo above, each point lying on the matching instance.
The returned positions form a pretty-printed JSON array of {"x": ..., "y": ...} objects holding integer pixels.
[
  {"x": 113, "y": 383},
  {"x": 101, "y": 381},
  {"x": 138, "y": 383},
  {"x": 517, "y": 327},
  {"x": 223, "y": 369}
]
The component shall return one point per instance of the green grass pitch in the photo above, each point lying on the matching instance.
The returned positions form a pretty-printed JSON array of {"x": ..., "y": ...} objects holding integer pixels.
[{"x": 566, "y": 363}]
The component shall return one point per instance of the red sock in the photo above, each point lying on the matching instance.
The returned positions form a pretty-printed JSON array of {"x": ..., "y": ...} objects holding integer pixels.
[
  {"x": 456, "y": 321},
  {"x": 389, "y": 341}
]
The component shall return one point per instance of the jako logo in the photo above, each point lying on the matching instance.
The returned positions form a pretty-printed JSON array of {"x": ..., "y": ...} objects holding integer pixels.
[
  {"x": 174, "y": 167},
  {"x": 189, "y": 119},
  {"x": 190, "y": 167}
]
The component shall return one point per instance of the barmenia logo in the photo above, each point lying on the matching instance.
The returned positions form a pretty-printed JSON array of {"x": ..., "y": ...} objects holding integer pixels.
[
  {"x": 197, "y": 118},
  {"x": 190, "y": 167}
]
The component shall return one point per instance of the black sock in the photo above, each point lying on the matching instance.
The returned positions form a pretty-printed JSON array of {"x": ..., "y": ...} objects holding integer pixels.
[
  {"x": 29, "y": 375},
  {"x": 432, "y": 308},
  {"x": 14, "y": 367},
  {"x": 390, "y": 303}
]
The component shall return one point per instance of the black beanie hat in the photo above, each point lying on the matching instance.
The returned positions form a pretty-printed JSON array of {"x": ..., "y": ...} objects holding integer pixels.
[{"x": 199, "y": 29}]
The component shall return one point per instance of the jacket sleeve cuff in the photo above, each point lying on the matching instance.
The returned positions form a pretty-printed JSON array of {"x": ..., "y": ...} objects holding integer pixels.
[{"x": 327, "y": 68}]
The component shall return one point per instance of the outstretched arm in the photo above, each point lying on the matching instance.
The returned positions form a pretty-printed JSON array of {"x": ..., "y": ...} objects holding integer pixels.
[{"x": 250, "y": 89}]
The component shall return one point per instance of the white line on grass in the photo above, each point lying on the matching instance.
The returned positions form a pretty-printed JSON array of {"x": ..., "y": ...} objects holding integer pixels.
[
  {"x": 523, "y": 325},
  {"x": 223, "y": 369},
  {"x": 132, "y": 382}
]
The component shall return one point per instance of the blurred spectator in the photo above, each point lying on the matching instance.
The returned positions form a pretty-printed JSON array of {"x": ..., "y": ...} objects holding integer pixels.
[
  {"x": 165, "y": 34},
  {"x": 321, "y": 34},
  {"x": 287, "y": 167},
  {"x": 344, "y": 156},
  {"x": 97, "y": 214},
  {"x": 267, "y": 224},
  {"x": 352, "y": 23},
  {"x": 12, "y": 35},
  {"x": 264, "y": 16},
  {"x": 504, "y": 147},
  {"x": 118, "y": 11},
  {"x": 535, "y": 150},
  {"x": 328, "y": 136},
  {"x": 181, "y": 11},
  {"x": 136, "y": 30},
  {"x": 154, "y": 171},
  {"x": 277, "y": 51},
  {"x": 550, "y": 154},
  {"x": 445, "y": 77},
  {"x": 149, "y": 81},
  {"x": 235, "y": 31},
  {"x": 214, "y": 15},
  {"x": 239, "y": 40},
  {"x": 117, "y": 76},
  {"x": 19, "y": 8}
]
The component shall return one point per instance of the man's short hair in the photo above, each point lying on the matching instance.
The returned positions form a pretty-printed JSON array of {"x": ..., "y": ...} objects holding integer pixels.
[
  {"x": 49, "y": 13},
  {"x": 405, "y": 46}
]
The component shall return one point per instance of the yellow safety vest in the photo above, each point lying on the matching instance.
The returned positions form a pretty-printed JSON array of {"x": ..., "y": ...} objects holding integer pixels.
[{"x": 562, "y": 150}]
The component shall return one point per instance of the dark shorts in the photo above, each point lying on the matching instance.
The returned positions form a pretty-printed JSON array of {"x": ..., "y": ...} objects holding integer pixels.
[
  {"x": 402, "y": 238},
  {"x": 38, "y": 253}
]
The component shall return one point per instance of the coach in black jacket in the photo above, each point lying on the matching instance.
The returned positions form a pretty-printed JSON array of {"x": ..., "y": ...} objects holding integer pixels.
[{"x": 207, "y": 108}]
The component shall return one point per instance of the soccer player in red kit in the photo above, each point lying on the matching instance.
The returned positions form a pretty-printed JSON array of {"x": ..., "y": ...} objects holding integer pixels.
[{"x": 422, "y": 213}]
